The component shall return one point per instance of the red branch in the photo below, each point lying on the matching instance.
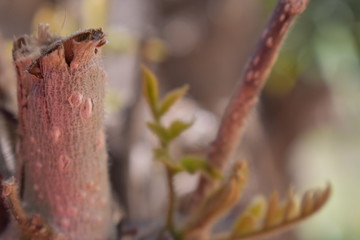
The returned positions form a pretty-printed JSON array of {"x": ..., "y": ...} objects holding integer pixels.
[{"x": 250, "y": 85}]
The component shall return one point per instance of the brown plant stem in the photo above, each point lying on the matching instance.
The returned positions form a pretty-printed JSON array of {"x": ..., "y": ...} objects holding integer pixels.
[
  {"x": 171, "y": 201},
  {"x": 12, "y": 201},
  {"x": 32, "y": 227},
  {"x": 62, "y": 147},
  {"x": 250, "y": 86}
]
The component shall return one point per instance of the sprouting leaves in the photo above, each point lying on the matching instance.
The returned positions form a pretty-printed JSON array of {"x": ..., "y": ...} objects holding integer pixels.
[
  {"x": 168, "y": 134},
  {"x": 261, "y": 218},
  {"x": 151, "y": 90},
  {"x": 165, "y": 135},
  {"x": 162, "y": 155},
  {"x": 151, "y": 93},
  {"x": 249, "y": 220},
  {"x": 255, "y": 221},
  {"x": 193, "y": 164},
  {"x": 159, "y": 108},
  {"x": 171, "y": 98},
  {"x": 219, "y": 202},
  {"x": 160, "y": 131},
  {"x": 176, "y": 128}
]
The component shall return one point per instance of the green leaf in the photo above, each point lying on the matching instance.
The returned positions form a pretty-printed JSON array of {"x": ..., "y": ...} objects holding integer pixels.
[
  {"x": 171, "y": 98},
  {"x": 151, "y": 90},
  {"x": 176, "y": 128},
  {"x": 158, "y": 130},
  {"x": 161, "y": 155},
  {"x": 193, "y": 164},
  {"x": 249, "y": 220},
  {"x": 244, "y": 225},
  {"x": 219, "y": 201},
  {"x": 257, "y": 207},
  {"x": 277, "y": 217}
]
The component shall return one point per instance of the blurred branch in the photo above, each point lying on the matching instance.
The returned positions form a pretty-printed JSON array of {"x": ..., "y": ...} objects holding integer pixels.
[
  {"x": 32, "y": 227},
  {"x": 13, "y": 203},
  {"x": 8, "y": 114},
  {"x": 250, "y": 86},
  {"x": 133, "y": 15},
  {"x": 4, "y": 217}
]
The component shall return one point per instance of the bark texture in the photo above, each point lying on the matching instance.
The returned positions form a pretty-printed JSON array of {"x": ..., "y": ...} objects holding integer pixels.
[
  {"x": 62, "y": 147},
  {"x": 250, "y": 85}
]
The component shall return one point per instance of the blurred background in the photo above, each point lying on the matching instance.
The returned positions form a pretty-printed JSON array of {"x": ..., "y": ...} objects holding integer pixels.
[{"x": 304, "y": 132}]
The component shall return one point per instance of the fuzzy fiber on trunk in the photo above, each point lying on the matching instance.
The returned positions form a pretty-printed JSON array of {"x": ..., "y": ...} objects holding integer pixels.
[{"x": 61, "y": 152}]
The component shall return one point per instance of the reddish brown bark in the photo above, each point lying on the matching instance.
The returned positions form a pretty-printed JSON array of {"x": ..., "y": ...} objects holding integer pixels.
[
  {"x": 250, "y": 86},
  {"x": 62, "y": 147}
]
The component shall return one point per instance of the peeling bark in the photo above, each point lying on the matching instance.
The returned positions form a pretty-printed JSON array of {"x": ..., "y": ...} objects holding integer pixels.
[{"x": 62, "y": 147}]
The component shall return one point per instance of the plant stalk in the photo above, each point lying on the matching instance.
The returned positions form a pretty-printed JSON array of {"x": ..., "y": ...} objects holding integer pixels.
[{"x": 248, "y": 91}]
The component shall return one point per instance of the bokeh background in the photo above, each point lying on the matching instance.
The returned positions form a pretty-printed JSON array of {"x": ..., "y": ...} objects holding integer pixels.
[{"x": 304, "y": 133}]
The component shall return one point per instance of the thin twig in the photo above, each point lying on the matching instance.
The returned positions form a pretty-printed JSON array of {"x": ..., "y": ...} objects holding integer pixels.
[
  {"x": 170, "y": 225},
  {"x": 250, "y": 86},
  {"x": 32, "y": 227},
  {"x": 4, "y": 216},
  {"x": 171, "y": 201},
  {"x": 12, "y": 202}
]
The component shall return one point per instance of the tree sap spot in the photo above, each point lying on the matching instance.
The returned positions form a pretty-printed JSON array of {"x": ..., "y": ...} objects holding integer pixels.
[
  {"x": 75, "y": 99},
  {"x": 269, "y": 42},
  {"x": 32, "y": 140},
  {"x": 249, "y": 76},
  {"x": 235, "y": 116},
  {"x": 86, "y": 216},
  {"x": 98, "y": 219},
  {"x": 90, "y": 186},
  {"x": 284, "y": 28},
  {"x": 265, "y": 33},
  {"x": 55, "y": 133},
  {"x": 65, "y": 223},
  {"x": 91, "y": 201},
  {"x": 86, "y": 108},
  {"x": 38, "y": 165},
  {"x": 287, "y": 7},
  {"x": 102, "y": 201},
  {"x": 64, "y": 162},
  {"x": 36, "y": 187},
  {"x": 72, "y": 212},
  {"x": 82, "y": 195},
  {"x": 60, "y": 209},
  {"x": 100, "y": 141},
  {"x": 282, "y": 17},
  {"x": 40, "y": 196},
  {"x": 256, "y": 61}
]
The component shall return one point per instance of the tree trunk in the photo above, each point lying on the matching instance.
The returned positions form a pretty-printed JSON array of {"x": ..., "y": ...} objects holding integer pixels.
[{"x": 62, "y": 147}]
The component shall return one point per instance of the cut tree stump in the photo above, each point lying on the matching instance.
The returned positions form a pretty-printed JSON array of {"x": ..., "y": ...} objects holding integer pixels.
[{"x": 61, "y": 151}]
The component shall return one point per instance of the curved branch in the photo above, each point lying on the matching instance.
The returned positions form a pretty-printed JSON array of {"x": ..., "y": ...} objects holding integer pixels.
[{"x": 250, "y": 85}]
